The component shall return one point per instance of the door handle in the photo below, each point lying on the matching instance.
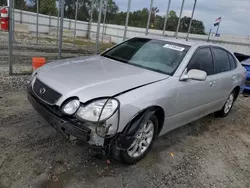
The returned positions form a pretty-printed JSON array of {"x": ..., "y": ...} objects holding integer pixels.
[{"x": 212, "y": 83}]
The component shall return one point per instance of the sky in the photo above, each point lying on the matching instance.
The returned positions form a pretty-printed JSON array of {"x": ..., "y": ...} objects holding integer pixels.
[{"x": 235, "y": 13}]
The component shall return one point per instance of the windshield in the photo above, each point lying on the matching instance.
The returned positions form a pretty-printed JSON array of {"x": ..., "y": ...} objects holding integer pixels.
[{"x": 157, "y": 55}]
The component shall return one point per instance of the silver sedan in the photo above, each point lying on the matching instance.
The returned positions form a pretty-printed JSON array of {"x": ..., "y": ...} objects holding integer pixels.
[{"x": 122, "y": 99}]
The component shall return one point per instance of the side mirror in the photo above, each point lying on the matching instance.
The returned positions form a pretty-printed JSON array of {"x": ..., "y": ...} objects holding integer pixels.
[{"x": 195, "y": 74}]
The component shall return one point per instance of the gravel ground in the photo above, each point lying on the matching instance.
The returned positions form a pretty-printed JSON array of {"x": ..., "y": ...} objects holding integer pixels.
[{"x": 210, "y": 152}]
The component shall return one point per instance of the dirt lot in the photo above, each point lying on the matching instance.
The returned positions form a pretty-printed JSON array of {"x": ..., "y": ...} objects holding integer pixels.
[{"x": 207, "y": 153}]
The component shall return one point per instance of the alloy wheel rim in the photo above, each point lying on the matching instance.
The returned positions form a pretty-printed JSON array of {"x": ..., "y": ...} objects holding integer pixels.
[
  {"x": 229, "y": 103},
  {"x": 142, "y": 140}
]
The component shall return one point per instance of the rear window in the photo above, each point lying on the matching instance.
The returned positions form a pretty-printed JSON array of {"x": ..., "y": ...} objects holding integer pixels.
[
  {"x": 232, "y": 61},
  {"x": 156, "y": 55},
  {"x": 221, "y": 60}
]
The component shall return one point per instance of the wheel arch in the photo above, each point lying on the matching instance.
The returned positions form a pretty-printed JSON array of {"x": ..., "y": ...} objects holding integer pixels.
[
  {"x": 157, "y": 110},
  {"x": 133, "y": 125},
  {"x": 237, "y": 91}
]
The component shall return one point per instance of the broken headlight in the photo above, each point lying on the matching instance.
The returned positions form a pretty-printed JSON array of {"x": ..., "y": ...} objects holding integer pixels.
[{"x": 98, "y": 110}]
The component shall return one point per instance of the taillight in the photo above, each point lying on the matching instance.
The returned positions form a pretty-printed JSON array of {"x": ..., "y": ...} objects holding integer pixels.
[{"x": 244, "y": 76}]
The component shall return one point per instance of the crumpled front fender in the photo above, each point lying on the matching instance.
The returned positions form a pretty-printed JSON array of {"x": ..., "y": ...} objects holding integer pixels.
[{"x": 126, "y": 138}]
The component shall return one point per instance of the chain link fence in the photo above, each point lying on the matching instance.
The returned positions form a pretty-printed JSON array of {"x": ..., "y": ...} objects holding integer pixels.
[{"x": 54, "y": 36}]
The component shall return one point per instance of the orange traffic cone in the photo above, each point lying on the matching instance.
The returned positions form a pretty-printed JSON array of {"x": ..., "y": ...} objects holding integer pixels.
[{"x": 38, "y": 62}]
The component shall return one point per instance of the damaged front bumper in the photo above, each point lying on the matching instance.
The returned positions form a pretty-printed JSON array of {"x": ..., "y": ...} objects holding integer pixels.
[{"x": 68, "y": 127}]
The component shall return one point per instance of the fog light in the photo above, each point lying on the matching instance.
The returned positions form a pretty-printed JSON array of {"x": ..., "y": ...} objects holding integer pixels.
[{"x": 71, "y": 107}]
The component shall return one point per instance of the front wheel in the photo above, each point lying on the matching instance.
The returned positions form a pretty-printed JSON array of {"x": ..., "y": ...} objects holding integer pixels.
[
  {"x": 227, "y": 106},
  {"x": 142, "y": 142}
]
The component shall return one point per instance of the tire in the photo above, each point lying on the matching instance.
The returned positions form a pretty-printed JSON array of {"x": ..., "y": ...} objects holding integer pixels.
[
  {"x": 126, "y": 155},
  {"x": 227, "y": 106}
]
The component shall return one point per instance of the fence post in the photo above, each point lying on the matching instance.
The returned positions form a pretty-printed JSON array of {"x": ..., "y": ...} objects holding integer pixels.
[
  {"x": 75, "y": 22},
  {"x": 98, "y": 28},
  {"x": 21, "y": 13},
  {"x": 61, "y": 30},
  {"x": 179, "y": 21},
  {"x": 127, "y": 19},
  {"x": 104, "y": 19},
  {"x": 13, "y": 18},
  {"x": 166, "y": 18},
  {"x": 58, "y": 14},
  {"x": 149, "y": 16},
  {"x": 209, "y": 35},
  {"x": 37, "y": 11},
  {"x": 49, "y": 21},
  {"x": 91, "y": 17},
  {"x": 10, "y": 3},
  {"x": 190, "y": 23},
  {"x": 69, "y": 22}
]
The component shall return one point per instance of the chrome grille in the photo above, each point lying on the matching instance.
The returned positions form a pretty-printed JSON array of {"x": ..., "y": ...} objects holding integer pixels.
[{"x": 45, "y": 93}]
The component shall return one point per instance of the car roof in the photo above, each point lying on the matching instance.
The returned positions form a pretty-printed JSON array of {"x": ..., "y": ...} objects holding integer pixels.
[{"x": 180, "y": 41}]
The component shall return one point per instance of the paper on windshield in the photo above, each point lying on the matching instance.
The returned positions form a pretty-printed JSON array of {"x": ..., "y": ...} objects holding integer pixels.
[{"x": 174, "y": 47}]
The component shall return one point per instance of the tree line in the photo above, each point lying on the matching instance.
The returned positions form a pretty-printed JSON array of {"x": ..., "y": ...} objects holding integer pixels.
[{"x": 137, "y": 18}]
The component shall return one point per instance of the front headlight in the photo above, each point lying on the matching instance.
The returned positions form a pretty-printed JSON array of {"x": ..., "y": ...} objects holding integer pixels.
[
  {"x": 71, "y": 107},
  {"x": 98, "y": 110}
]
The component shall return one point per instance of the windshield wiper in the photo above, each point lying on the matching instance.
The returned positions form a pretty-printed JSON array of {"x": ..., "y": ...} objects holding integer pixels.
[{"x": 115, "y": 58}]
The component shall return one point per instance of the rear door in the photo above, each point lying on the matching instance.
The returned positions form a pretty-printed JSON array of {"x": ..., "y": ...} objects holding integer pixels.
[{"x": 224, "y": 75}]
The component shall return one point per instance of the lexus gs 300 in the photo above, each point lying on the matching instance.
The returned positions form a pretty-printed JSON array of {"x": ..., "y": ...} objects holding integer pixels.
[{"x": 121, "y": 100}]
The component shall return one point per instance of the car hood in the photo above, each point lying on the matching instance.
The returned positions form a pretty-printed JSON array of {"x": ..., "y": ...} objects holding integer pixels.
[{"x": 92, "y": 77}]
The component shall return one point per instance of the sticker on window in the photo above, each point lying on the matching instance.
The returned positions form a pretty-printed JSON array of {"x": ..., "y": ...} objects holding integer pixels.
[{"x": 173, "y": 47}]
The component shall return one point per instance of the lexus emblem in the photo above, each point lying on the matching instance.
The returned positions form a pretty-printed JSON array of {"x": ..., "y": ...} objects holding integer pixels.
[{"x": 42, "y": 91}]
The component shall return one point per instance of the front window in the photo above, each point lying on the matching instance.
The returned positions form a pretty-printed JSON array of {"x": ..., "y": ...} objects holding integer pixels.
[
  {"x": 156, "y": 55},
  {"x": 202, "y": 60}
]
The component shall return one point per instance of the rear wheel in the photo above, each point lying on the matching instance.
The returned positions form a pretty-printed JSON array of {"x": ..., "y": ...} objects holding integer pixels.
[
  {"x": 227, "y": 106},
  {"x": 142, "y": 143}
]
